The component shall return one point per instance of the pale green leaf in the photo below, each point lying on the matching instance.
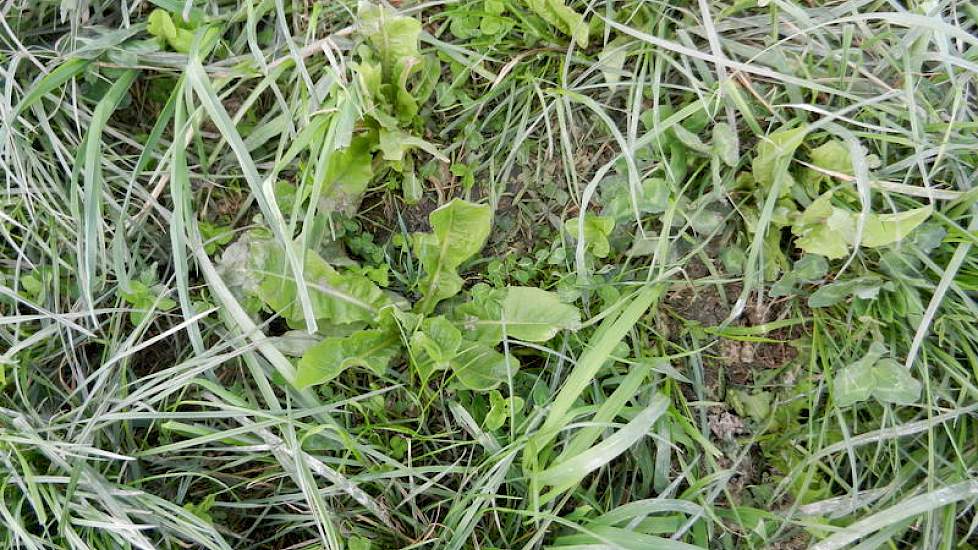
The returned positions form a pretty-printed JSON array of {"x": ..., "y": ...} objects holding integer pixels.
[
  {"x": 372, "y": 349},
  {"x": 393, "y": 37},
  {"x": 501, "y": 409},
  {"x": 894, "y": 384},
  {"x": 161, "y": 25},
  {"x": 536, "y": 315},
  {"x": 612, "y": 58},
  {"x": 831, "y": 294},
  {"x": 596, "y": 231},
  {"x": 725, "y": 144},
  {"x": 395, "y": 143},
  {"x": 481, "y": 368},
  {"x": 564, "y": 18},
  {"x": 459, "y": 231},
  {"x": 853, "y": 384},
  {"x": 774, "y": 153},
  {"x": 824, "y": 229},
  {"x": 651, "y": 197},
  {"x": 884, "y": 229},
  {"x": 832, "y": 155}
]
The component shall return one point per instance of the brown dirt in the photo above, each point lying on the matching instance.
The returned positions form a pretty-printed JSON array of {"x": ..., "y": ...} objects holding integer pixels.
[{"x": 731, "y": 361}]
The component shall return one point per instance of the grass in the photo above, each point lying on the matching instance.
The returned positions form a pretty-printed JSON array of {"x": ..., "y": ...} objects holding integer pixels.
[{"x": 709, "y": 362}]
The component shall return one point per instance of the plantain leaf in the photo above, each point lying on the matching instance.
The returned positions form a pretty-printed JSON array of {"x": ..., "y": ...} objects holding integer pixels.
[
  {"x": 459, "y": 230},
  {"x": 479, "y": 367},
  {"x": 536, "y": 315},
  {"x": 257, "y": 267},
  {"x": 372, "y": 349},
  {"x": 884, "y": 229}
]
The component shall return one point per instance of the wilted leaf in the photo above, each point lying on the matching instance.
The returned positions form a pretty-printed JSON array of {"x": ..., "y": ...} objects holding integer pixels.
[
  {"x": 348, "y": 173},
  {"x": 256, "y": 266},
  {"x": 459, "y": 230}
]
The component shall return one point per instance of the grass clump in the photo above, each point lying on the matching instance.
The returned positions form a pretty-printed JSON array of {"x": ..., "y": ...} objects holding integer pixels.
[{"x": 488, "y": 274}]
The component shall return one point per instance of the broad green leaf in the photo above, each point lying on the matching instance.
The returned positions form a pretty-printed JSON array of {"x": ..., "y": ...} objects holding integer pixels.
[
  {"x": 755, "y": 405},
  {"x": 596, "y": 231},
  {"x": 853, "y": 384},
  {"x": 394, "y": 37},
  {"x": 259, "y": 268},
  {"x": 348, "y": 173},
  {"x": 372, "y": 349},
  {"x": 774, "y": 153},
  {"x": 564, "y": 18},
  {"x": 824, "y": 229},
  {"x": 459, "y": 231},
  {"x": 536, "y": 315},
  {"x": 652, "y": 197},
  {"x": 874, "y": 376},
  {"x": 894, "y": 384},
  {"x": 690, "y": 140},
  {"x": 810, "y": 267},
  {"x": 832, "y": 155},
  {"x": 161, "y": 25},
  {"x": 829, "y": 295},
  {"x": 725, "y": 144},
  {"x": 479, "y": 317},
  {"x": 884, "y": 229},
  {"x": 395, "y": 143},
  {"x": 481, "y": 368},
  {"x": 831, "y": 231},
  {"x": 501, "y": 409},
  {"x": 525, "y": 313},
  {"x": 435, "y": 345}
]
